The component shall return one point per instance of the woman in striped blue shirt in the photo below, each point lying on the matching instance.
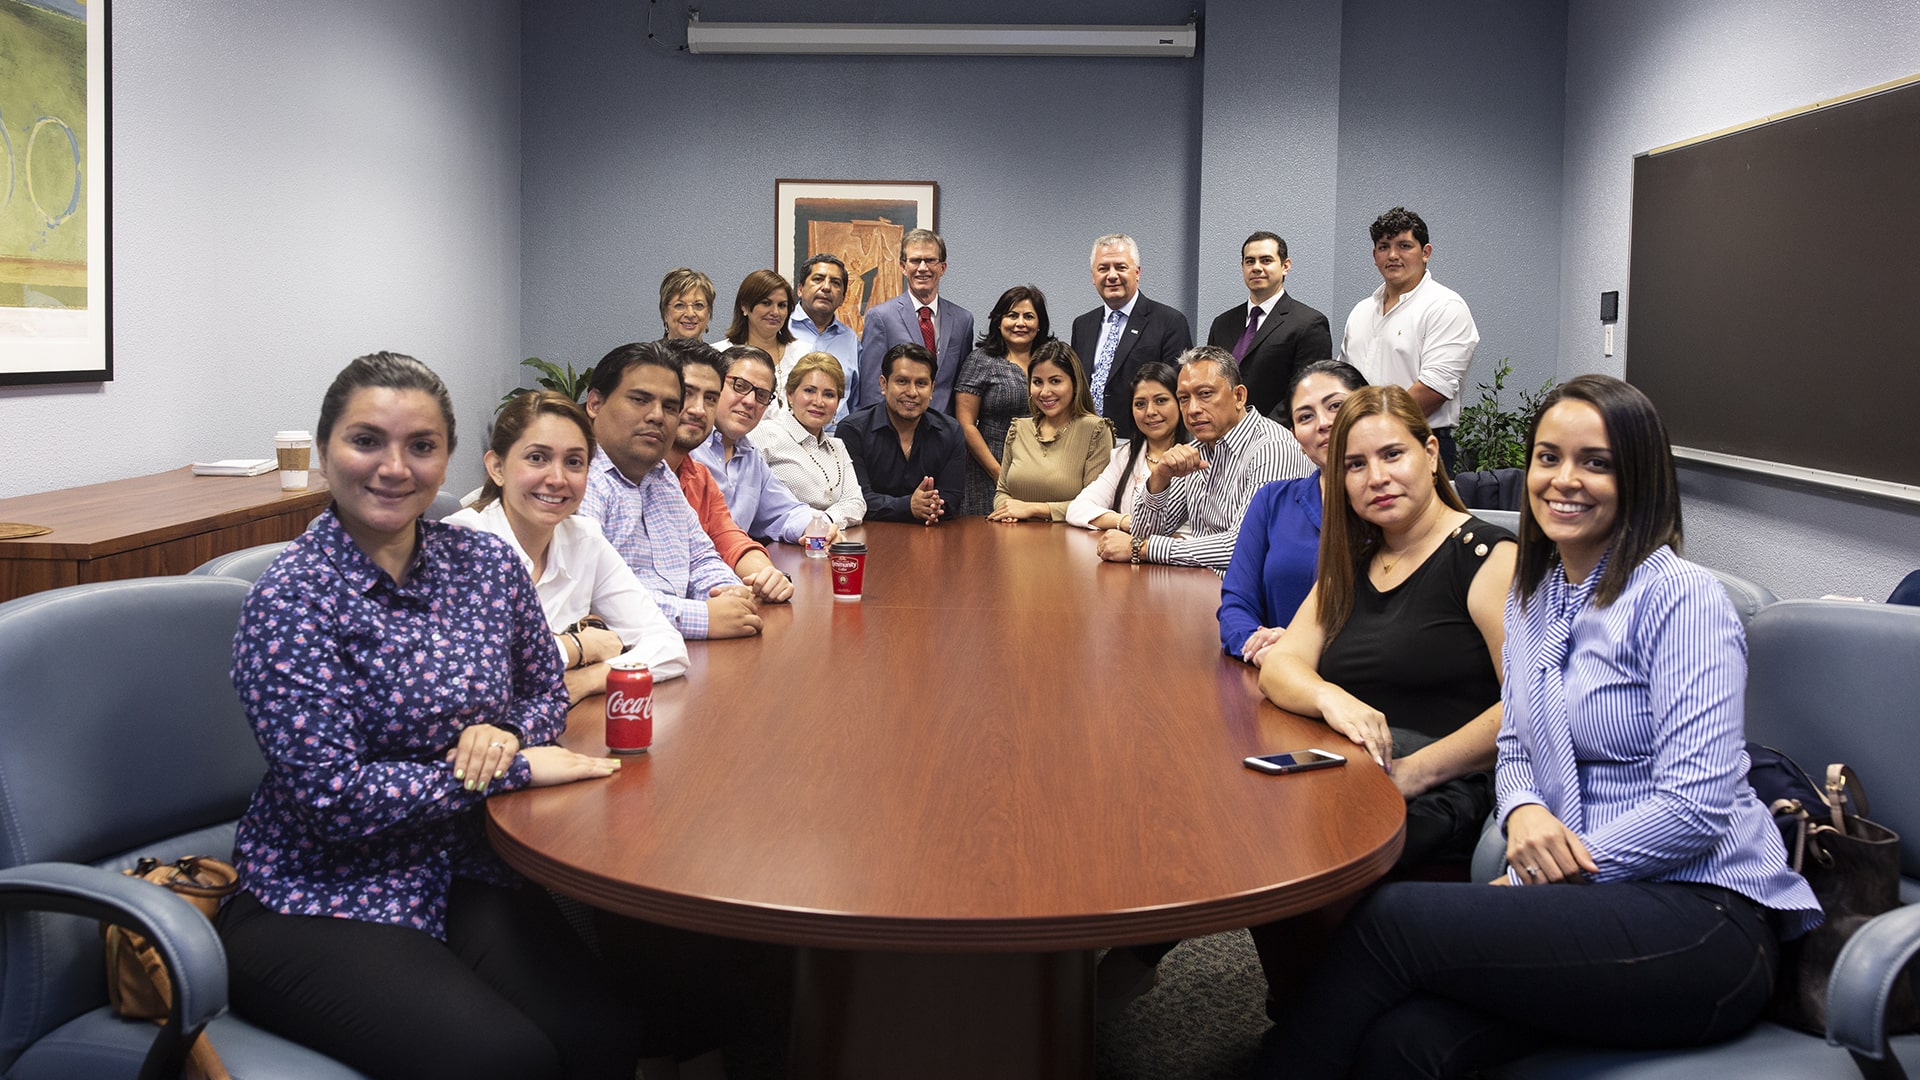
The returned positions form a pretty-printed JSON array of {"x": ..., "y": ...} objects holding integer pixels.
[{"x": 1622, "y": 768}]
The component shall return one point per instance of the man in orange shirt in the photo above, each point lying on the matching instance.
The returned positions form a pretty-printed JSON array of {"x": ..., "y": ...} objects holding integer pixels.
[{"x": 702, "y": 370}]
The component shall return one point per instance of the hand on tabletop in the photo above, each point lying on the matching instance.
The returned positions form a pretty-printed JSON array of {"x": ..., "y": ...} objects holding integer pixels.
[
  {"x": 597, "y": 645},
  {"x": 1257, "y": 642},
  {"x": 1020, "y": 510},
  {"x": 552, "y": 765},
  {"x": 1362, "y": 723},
  {"x": 926, "y": 504},
  {"x": 1544, "y": 851},
  {"x": 834, "y": 535},
  {"x": 731, "y": 612},
  {"x": 768, "y": 584},
  {"x": 482, "y": 755},
  {"x": 1116, "y": 546}
]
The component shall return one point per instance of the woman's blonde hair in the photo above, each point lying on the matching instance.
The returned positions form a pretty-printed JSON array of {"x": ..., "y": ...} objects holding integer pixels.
[{"x": 817, "y": 361}]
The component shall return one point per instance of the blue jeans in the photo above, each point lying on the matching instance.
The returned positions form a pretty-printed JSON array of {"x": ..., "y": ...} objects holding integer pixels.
[{"x": 1435, "y": 980}]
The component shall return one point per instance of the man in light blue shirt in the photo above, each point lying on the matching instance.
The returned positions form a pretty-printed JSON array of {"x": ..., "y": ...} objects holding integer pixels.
[
  {"x": 817, "y": 327},
  {"x": 759, "y": 502}
]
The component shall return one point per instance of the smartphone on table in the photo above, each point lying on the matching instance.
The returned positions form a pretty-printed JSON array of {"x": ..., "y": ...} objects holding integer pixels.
[{"x": 1294, "y": 761}]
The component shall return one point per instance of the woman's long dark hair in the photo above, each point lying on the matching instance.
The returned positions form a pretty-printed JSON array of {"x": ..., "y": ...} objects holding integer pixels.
[
  {"x": 1156, "y": 372},
  {"x": 1647, "y": 490},
  {"x": 991, "y": 342},
  {"x": 1348, "y": 540}
]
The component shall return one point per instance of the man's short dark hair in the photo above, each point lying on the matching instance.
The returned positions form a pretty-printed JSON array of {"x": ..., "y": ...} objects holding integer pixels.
[
  {"x": 916, "y": 353},
  {"x": 612, "y": 368},
  {"x": 1396, "y": 221},
  {"x": 1264, "y": 235},
  {"x": 1214, "y": 354},
  {"x": 738, "y": 353},
  {"x": 806, "y": 271},
  {"x": 694, "y": 351}
]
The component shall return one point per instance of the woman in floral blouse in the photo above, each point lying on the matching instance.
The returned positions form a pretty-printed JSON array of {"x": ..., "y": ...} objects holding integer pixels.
[{"x": 397, "y": 672}]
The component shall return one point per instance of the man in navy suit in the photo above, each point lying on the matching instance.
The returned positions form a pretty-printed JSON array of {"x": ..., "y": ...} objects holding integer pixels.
[
  {"x": 919, "y": 316},
  {"x": 1124, "y": 332},
  {"x": 1283, "y": 337}
]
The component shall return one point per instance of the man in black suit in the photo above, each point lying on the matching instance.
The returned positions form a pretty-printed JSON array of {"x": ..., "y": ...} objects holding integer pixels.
[
  {"x": 1126, "y": 331},
  {"x": 1285, "y": 336}
]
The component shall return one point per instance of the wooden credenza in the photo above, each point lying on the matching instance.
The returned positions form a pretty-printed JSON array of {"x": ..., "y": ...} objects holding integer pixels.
[{"x": 167, "y": 523}]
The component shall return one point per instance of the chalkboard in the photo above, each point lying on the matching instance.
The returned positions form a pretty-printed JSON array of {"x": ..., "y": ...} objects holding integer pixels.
[{"x": 1774, "y": 288}]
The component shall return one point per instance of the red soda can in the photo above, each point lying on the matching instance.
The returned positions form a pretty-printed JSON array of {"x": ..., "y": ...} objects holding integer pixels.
[{"x": 629, "y": 707}]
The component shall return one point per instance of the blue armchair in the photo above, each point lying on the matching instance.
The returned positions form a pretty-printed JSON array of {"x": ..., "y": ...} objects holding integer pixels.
[
  {"x": 121, "y": 737},
  {"x": 1826, "y": 681}
]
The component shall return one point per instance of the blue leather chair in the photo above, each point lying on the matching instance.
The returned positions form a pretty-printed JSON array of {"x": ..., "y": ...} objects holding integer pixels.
[
  {"x": 120, "y": 737},
  {"x": 1827, "y": 681},
  {"x": 247, "y": 564}
]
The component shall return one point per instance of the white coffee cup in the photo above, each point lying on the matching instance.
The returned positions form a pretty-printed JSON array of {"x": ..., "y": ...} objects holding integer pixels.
[{"x": 295, "y": 451}]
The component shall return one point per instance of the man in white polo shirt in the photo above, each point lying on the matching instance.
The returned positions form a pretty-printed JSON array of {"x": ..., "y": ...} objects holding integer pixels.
[{"x": 1413, "y": 331}]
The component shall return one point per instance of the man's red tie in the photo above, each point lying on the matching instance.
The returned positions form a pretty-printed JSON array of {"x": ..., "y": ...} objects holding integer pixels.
[{"x": 926, "y": 330}]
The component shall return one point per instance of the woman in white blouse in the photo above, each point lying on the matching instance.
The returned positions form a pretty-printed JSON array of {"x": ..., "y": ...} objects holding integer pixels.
[
  {"x": 813, "y": 464},
  {"x": 1107, "y": 503},
  {"x": 598, "y": 611}
]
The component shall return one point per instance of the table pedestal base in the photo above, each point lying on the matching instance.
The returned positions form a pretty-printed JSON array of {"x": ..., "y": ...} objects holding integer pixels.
[{"x": 883, "y": 1015}]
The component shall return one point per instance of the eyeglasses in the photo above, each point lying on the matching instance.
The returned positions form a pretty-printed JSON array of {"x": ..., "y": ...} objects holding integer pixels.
[
  {"x": 682, "y": 308},
  {"x": 747, "y": 389}
]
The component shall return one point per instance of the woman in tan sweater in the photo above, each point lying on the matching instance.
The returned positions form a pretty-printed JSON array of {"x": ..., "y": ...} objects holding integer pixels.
[{"x": 1059, "y": 448}]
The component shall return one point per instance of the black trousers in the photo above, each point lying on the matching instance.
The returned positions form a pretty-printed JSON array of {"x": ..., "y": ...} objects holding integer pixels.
[
  {"x": 1439, "y": 980},
  {"x": 513, "y": 992}
]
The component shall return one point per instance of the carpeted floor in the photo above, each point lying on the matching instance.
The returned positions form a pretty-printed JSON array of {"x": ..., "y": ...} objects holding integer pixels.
[{"x": 1202, "y": 1022}]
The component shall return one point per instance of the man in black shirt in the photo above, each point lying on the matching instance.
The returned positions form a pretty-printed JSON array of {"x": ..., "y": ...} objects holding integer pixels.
[{"x": 910, "y": 461}]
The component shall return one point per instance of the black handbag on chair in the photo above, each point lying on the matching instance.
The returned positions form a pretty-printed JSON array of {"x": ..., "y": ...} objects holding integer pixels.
[{"x": 1853, "y": 865}]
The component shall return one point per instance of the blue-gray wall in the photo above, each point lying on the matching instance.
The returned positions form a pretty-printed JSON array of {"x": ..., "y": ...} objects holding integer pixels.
[
  {"x": 294, "y": 184},
  {"x": 639, "y": 159},
  {"x": 1645, "y": 73}
]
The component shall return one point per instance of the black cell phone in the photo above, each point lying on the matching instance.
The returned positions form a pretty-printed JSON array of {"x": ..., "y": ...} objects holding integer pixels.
[{"x": 1294, "y": 761}]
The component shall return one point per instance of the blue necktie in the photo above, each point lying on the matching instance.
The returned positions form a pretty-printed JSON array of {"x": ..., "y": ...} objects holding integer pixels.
[{"x": 1103, "y": 363}]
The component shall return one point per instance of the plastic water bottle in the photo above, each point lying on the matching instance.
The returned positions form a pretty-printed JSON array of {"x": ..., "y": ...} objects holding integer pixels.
[{"x": 816, "y": 537}]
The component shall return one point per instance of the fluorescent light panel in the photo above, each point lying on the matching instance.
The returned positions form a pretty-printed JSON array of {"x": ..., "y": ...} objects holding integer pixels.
[{"x": 912, "y": 39}]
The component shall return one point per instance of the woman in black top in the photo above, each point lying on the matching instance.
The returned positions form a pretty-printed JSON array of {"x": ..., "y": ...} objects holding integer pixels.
[{"x": 1397, "y": 646}]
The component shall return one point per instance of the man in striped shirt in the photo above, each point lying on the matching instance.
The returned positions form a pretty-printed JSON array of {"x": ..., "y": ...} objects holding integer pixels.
[{"x": 1189, "y": 511}]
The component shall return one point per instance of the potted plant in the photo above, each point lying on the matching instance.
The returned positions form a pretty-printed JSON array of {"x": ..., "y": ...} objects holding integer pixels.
[
  {"x": 568, "y": 382},
  {"x": 1488, "y": 436}
]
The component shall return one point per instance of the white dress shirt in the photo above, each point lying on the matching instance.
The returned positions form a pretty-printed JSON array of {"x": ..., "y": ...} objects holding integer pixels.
[
  {"x": 584, "y": 575},
  {"x": 1097, "y": 498},
  {"x": 817, "y": 471},
  {"x": 1428, "y": 337}
]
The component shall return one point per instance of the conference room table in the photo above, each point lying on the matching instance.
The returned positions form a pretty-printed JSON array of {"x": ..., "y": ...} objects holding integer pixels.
[{"x": 947, "y": 794}]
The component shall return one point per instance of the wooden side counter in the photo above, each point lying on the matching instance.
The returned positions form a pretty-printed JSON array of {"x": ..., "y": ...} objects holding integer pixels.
[{"x": 167, "y": 523}]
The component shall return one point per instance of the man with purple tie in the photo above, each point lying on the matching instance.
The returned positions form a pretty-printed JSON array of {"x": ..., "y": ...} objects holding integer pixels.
[
  {"x": 1272, "y": 335},
  {"x": 920, "y": 316}
]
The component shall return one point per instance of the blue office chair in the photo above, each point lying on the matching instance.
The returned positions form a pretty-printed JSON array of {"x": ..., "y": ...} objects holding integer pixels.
[
  {"x": 1827, "y": 681},
  {"x": 247, "y": 564},
  {"x": 123, "y": 738}
]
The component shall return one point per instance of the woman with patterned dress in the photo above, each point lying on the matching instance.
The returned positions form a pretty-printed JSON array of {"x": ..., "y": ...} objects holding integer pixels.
[
  {"x": 990, "y": 390},
  {"x": 398, "y": 672}
]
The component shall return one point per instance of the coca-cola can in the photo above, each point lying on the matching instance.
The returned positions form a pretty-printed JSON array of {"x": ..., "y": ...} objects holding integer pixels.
[{"x": 629, "y": 707}]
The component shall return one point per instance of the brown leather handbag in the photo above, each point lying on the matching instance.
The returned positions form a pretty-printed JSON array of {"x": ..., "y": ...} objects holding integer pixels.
[
  {"x": 1853, "y": 865},
  {"x": 137, "y": 982}
]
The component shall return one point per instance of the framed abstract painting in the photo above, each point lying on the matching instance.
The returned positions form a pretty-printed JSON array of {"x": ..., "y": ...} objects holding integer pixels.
[
  {"x": 861, "y": 222},
  {"x": 54, "y": 192}
]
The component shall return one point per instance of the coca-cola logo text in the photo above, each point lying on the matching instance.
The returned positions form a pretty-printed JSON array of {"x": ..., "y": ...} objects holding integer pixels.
[{"x": 629, "y": 707}]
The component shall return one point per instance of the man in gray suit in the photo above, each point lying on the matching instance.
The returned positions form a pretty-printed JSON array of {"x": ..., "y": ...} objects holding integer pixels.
[{"x": 919, "y": 316}]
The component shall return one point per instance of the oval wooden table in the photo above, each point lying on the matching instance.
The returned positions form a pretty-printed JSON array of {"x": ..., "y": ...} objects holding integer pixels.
[{"x": 947, "y": 794}]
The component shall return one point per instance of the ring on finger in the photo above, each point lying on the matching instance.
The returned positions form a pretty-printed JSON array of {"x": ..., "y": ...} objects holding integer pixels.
[
  {"x": 498, "y": 743},
  {"x": 1533, "y": 871}
]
